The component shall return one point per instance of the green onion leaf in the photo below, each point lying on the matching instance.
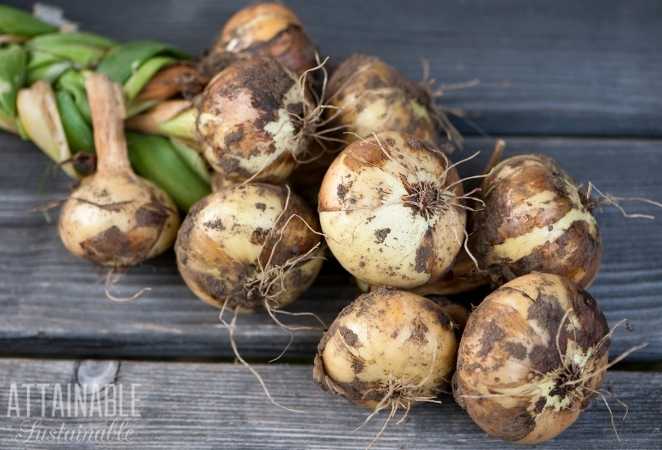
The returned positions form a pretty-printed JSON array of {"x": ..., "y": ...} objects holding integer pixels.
[
  {"x": 145, "y": 72},
  {"x": 122, "y": 61},
  {"x": 154, "y": 158},
  {"x": 192, "y": 158},
  {"x": 48, "y": 72},
  {"x": 13, "y": 62},
  {"x": 83, "y": 49},
  {"x": 73, "y": 82},
  {"x": 78, "y": 131},
  {"x": 18, "y": 23}
]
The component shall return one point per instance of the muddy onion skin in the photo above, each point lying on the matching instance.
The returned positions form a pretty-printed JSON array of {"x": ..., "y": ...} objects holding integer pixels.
[
  {"x": 387, "y": 211},
  {"x": 373, "y": 97},
  {"x": 246, "y": 120},
  {"x": 535, "y": 219},
  {"x": 510, "y": 376},
  {"x": 115, "y": 218},
  {"x": 231, "y": 240},
  {"x": 387, "y": 339},
  {"x": 268, "y": 29}
]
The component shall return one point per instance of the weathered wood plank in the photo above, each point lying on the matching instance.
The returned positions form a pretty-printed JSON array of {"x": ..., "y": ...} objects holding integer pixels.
[
  {"x": 568, "y": 67},
  {"x": 53, "y": 303},
  {"x": 222, "y": 406}
]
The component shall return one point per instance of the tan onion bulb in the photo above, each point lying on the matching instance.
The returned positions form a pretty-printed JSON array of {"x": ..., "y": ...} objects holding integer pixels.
[
  {"x": 535, "y": 219},
  {"x": 391, "y": 209},
  {"x": 115, "y": 218},
  {"x": 252, "y": 121},
  {"x": 249, "y": 246},
  {"x": 531, "y": 357},
  {"x": 388, "y": 348},
  {"x": 268, "y": 29},
  {"x": 372, "y": 97}
]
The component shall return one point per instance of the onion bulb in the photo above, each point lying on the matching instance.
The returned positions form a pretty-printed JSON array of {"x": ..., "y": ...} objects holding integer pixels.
[
  {"x": 391, "y": 209},
  {"x": 115, "y": 218},
  {"x": 388, "y": 349},
  {"x": 532, "y": 355},
  {"x": 535, "y": 219},
  {"x": 268, "y": 29},
  {"x": 249, "y": 246},
  {"x": 370, "y": 96},
  {"x": 253, "y": 120}
]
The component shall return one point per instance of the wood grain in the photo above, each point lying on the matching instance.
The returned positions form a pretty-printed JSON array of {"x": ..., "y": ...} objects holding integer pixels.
[
  {"x": 209, "y": 406},
  {"x": 54, "y": 304},
  {"x": 557, "y": 68}
]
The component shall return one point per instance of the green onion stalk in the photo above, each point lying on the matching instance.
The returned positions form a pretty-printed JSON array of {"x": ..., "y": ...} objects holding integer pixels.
[{"x": 43, "y": 99}]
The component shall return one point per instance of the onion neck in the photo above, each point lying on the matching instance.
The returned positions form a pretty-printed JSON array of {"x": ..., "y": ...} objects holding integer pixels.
[{"x": 107, "y": 107}]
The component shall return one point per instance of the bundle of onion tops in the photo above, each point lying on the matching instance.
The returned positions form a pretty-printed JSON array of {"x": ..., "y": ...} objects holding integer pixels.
[{"x": 374, "y": 151}]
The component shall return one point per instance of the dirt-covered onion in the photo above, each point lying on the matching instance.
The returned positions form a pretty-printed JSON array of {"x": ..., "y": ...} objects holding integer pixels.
[
  {"x": 249, "y": 246},
  {"x": 115, "y": 218},
  {"x": 253, "y": 120},
  {"x": 371, "y": 97},
  {"x": 268, "y": 29},
  {"x": 391, "y": 208},
  {"x": 535, "y": 219},
  {"x": 389, "y": 349},
  {"x": 531, "y": 357}
]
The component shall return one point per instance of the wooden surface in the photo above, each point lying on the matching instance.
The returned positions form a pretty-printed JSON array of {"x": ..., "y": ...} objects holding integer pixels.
[
  {"x": 579, "y": 81},
  {"x": 587, "y": 67},
  {"x": 217, "y": 406}
]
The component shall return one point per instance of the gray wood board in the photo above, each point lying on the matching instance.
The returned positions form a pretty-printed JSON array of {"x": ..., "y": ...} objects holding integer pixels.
[
  {"x": 54, "y": 304},
  {"x": 559, "y": 68},
  {"x": 189, "y": 405}
]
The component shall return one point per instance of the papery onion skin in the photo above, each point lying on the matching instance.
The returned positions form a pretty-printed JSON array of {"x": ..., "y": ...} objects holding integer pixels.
[
  {"x": 370, "y": 222},
  {"x": 373, "y": 97},
  {"x": 268, "y": 29},
  {"x": 535, "y": 219},
  {"x": 510, "y": 377},
  {"x": 229, "y": 234},
  {"x": 386, "y": 338},
  {"x": 246, "y": 121}
]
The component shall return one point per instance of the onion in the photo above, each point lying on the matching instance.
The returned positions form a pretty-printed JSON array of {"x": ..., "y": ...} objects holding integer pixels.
[
  {"x": 370, "y": 97},
  {"x": 249, "y": 246},
  {"x": 535, "y": 219},
  {"x": 391, "y": 210},
  {"x": 253, "y": 120},
  {"x": 531, "y": 357},
  {"x": 268, "y": 29},
  {"x": 389, "y": 349},
  {"x": 115, "y": 218}
]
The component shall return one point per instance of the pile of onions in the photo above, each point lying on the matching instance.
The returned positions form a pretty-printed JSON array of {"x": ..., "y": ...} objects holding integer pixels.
[
  {"x": 115, "y": 218},
  {"x": 249, "y": 246},
  {"x": 535, "y": 219},
  {"x": 391, "y": 209},
  {"x": 531, "y": 357}
]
